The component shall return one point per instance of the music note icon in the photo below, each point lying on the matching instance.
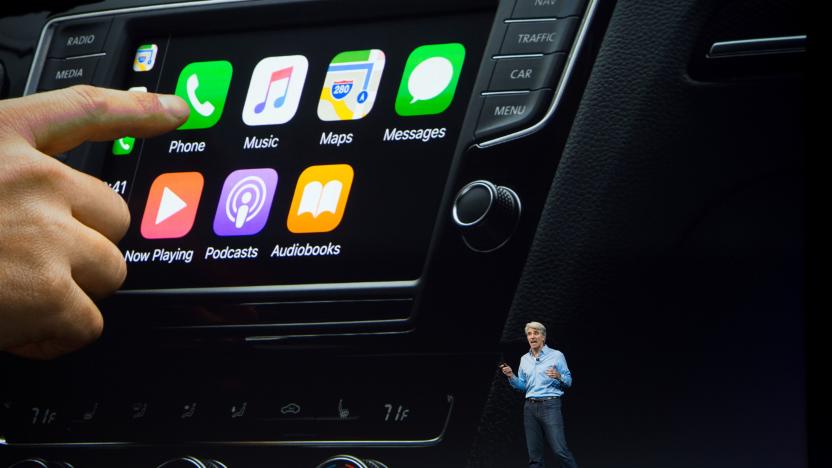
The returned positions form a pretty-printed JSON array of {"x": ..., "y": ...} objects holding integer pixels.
[
  {"x": 275, "y": 89},
  {"x": 276, "y": 81}
]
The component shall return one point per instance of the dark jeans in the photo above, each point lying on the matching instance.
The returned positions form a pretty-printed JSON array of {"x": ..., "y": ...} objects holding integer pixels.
[{"x": 544, "y": 421}]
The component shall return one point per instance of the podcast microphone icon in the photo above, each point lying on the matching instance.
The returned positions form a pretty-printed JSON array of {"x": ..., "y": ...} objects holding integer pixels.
[{"x": 245, "y": 202}]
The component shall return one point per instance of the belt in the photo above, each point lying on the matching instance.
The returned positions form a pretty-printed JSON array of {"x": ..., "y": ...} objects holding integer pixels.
[{"x": 537, "y": 400}]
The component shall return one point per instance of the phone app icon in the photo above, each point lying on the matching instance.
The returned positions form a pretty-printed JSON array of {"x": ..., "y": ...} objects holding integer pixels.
[
  {"x": 204, "y": 86},
  {"x": 145, "y": 57},
  {"x": 245, "y": 202},
  {"x": 123, "y": 146},
  {"x": 275, "y": 89},
  {"x": 430, "y": 78},
  {"x": 351, "y": 85},
  {"x": 320, "y": 198},
  {"x": 171, "y": 205}
]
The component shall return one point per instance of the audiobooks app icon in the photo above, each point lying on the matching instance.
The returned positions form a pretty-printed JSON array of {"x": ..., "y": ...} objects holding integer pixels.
[
  {"x": 320, "y": 198},
  {"x": 171, "y": 205}
]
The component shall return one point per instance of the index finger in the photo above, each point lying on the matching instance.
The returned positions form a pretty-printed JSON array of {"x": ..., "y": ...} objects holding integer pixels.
[{"x": 57, "y": 121}]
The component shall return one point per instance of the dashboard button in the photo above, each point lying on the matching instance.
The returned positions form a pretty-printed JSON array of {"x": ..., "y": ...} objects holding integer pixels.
[
  {"x": 505, "y": 112},
  {"x": 526, "y": 73},
  {"x": 30, "y": 463},
  {"x": 184, "y": 462},
  {"x": 60, "y": 73},
  {"x": 374, "y": 463},
  {"x": 539, "y": 37},
  {"x": 78, "y": 39},
  {"x": 548, "y": 8},
  {"x": 40, "y": 463},
  {"x": 343, "y": 461}
]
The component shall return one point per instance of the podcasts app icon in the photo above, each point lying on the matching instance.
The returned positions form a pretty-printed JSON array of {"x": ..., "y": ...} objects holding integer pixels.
[{"x": 245, "y": 202}]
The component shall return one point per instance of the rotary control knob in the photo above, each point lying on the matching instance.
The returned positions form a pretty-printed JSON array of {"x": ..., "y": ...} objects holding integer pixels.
[
  {"x": 487, "y": 214},
  {"x": 191, "y": 462}
]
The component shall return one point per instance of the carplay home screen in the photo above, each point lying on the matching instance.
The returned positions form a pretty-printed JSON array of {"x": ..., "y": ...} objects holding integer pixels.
[{"x": 311, "y": 154}]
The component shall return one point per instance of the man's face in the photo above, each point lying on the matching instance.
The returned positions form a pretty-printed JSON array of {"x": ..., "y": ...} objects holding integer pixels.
[{"x": 536, "y": 339}]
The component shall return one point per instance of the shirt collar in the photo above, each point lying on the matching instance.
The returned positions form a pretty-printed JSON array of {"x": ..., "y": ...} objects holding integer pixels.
[{"x": 543, "y": 351}]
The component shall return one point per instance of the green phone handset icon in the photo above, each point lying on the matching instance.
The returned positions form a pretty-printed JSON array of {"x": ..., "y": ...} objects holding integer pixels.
[
  {"x": 204, "y": 108},
  {"x": 204, "y": 86},
  {"x": 123, "y": 146}
]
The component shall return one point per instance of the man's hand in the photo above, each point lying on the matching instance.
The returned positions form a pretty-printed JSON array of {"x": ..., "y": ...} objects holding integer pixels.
[
  {"x": 58, "y": 226},
  {"x": 507, "y": 371},
  {"x": 553, "y": 373}
]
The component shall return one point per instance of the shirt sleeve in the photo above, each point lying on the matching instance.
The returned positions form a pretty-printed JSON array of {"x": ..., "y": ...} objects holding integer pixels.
[
  {"x": 518, "y": 382},
  {"x": 563, "y": 369}
]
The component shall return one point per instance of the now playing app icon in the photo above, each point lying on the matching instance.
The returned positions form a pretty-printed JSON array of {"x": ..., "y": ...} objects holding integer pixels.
[
  {"x": 245, "y": 202},
  {"x": 171, "y": 205}
]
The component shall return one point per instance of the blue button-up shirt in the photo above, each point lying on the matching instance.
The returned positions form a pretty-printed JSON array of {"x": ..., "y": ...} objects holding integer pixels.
[{"x": 531, "y": 375}]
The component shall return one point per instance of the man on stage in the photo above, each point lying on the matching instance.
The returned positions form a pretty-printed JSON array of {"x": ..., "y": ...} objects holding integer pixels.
[{"x": 543, "y": 376}]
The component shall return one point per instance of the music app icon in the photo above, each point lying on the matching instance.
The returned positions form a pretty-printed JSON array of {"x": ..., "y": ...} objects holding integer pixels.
[{"x": 275, "y": 89}]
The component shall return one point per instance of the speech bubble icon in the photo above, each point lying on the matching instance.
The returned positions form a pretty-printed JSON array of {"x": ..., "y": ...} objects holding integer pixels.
[{"x": 430, "y": 78}]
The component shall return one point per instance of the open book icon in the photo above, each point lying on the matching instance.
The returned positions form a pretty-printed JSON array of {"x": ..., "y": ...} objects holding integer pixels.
[{"x": 318, "y": 198}]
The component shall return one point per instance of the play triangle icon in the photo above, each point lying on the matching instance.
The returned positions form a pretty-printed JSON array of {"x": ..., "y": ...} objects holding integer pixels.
[{"x": 170, "y": 204}]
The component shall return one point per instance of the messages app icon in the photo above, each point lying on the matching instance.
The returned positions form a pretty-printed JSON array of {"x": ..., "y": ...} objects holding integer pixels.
[
  {"x": 204, "y": 86},
  {"x": 430, "y": 78}
]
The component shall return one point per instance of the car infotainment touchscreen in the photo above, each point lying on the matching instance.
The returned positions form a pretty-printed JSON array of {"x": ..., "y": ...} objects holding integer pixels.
[{"x": 312, "y": 154}]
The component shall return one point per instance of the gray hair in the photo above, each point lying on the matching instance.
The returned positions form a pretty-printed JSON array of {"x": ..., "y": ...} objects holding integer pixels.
[{"x": 537, "y": 326}]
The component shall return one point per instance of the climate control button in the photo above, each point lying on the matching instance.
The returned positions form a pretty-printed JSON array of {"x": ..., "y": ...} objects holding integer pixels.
[
  {"x": 343, "y": 461},
  {"x": 191, "y": 462}
]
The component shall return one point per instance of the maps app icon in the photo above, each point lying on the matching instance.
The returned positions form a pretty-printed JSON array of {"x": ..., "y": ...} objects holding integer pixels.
[
  {"x": 351, "y": 85},
  {"x": 145, "y": 57}
]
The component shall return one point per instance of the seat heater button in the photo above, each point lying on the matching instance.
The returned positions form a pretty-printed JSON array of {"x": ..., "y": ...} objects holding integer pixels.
[
  {"x": 508, "y": 112},
  {"x": 59, "y": 73},
  {"x": 73, "y": 40},
  {"x": 548, "y": 8},
  {"x": 526, "y": 73},
  {"x": 542, "y": 37}
]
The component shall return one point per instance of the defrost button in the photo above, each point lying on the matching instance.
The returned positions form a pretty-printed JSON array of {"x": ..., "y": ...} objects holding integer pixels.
[{"x": 504, "y": 112}]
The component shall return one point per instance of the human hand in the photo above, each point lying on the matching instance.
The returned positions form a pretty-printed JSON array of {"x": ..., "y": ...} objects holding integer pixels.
[
  {"x": 553, "y": 373},
  {"x": 58, "y": 226},
  {"x": 507, "y": 371}
]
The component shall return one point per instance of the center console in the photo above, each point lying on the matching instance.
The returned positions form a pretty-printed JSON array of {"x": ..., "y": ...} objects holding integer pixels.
[{"x": 322, "y": 256}]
